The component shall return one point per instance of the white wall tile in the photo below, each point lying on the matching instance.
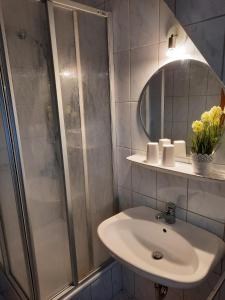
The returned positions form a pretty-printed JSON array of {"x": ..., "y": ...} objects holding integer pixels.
[
  {"x": 180, "y": 213},
  {"x": 123, "y": 130},
  {"x": 172, "y": 188},
  {"x": 122, "y": 75},
  {"x": 123, "y": 167},
  {"x": 125, "y": 198},
  {"x": 139, "y": 139},
  {"x": 144, "y": 63},
  {"x": 205, "y": 223},
  {"x": 141, "y": 200},
  {"x": 144, "y": 20},
  {"x": 144, "y": 181},
  {"x": 207, "y": 199}
]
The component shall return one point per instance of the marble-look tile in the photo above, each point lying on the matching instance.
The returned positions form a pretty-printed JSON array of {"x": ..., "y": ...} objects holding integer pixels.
[
  {"x": 209, "y": 38},
  {"x": 144, "y": 63},
  {"x": 85, "y": 294},
  {"x": 192, "y": 11},
  {"x": 120, "y": 11},
  {"x": 198, "y": 79},
  {"x": 180, "y": 109},
  {"x": 144, "y": 288},
  {"x": 122, "y": 76},
  {"x": 101, "y": 289},
  {"x": 196, "y": 106},
  {"x": 207, "y": 199},
  {"x": 172, "y": 188},
  {"x": 144, "y": 20},
  {"x": 128, "y": 280},
  {"x": 179, "y": 130},
  {"x": 123, "y": 124},
  {"x": 123, "y": 167},
  {"x": 205, "y": 223},
  {"x": 180, "y": 212},
  {"x": 214, "y": 84},
  {"x": 116, "y": 278},
  {"x": 125, "y": 198},
  {"x": 202, "y": 291},
  {"x": 141, "y": 200},
  {"x": 138, "y": 136},
  {"x": 144, "y": 181}
]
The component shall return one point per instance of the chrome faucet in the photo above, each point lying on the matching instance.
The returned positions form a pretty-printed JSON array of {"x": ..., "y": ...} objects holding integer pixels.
[{"x": 169, "y": 215}]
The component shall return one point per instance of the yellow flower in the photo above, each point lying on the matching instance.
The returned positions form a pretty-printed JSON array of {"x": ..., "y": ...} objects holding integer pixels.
[
  {"x": 215, "y": 113},
  {"x": 205, "y": 117},
  {"x": 197, "y": 126}
]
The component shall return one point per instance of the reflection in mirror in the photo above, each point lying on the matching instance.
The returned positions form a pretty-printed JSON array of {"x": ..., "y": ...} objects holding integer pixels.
[{"x": 175, "y": 96}]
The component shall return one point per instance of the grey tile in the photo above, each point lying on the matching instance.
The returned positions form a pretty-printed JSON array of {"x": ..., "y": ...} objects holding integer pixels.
[
  {"x": 120, "y": 11},
  {"x": 141, "y": 200},
  {"x": 179, "y": 130},
  {"x": 122, "y": 76},
  {"x": 138, "y": 136},
  {"x": 208, "y": 36},
  {"x": 201, "y": 292},
  {"x": 214, "y": 84},
  {"x": 198, "y": 79},
  {"x": 144, "y": 63},
  {"x": 123, "y": 167},
  {"x": 144, "y": 288},
  {"x": 212, "y": 100},
  {"x": 125, "y": 198},
  {"x": 207, "y": 199},
  {"x": 171, "y": 4},
  {"x": 180, "y": 109},
  {"x": 85, "y": 294},
  {"x": 172, "y": 188},
  {"x": 144, "y": 20},
  {"x": 128, "y": 280},
  {"x": 123, "y": 131},
  {"x": 205, "y": 223},
  {"x": 197, "y": 105},
  {"x": 117, "y": 278},
  {"x": 181, "y": 81},
  {"x": 197, "y": 10},
  {"x": 144, "y": 181},
  {"x": 168, "y": 109},
  {"x": 101, "y": 289}
]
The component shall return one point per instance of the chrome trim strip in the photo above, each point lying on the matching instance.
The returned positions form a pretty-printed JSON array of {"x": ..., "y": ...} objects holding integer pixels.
[{"x": 69, "y": 207}]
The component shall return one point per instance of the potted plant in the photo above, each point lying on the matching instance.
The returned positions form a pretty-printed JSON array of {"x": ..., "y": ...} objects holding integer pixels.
[{"x": 207, "y": 134}]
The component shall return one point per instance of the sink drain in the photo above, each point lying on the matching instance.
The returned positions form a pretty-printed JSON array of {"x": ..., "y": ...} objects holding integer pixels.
[{"x": 157, "y": 255}]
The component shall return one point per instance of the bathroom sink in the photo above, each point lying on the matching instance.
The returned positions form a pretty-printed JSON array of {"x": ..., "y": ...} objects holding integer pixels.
[{"x": 180, "y": 255}]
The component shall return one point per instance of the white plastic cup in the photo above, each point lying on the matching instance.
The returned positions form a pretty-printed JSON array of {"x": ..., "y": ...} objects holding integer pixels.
[
  {"x": 163, "y": 142},
  {"x": 168, "y": 159},
  {"x": 152, "y": 153},
  {"x": 179, "y": 148}
]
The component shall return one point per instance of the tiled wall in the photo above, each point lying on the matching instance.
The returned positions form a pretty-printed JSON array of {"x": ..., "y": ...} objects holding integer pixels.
[
  {"x": 140, "y": 46},
  {"x": 204, "y": 21}
]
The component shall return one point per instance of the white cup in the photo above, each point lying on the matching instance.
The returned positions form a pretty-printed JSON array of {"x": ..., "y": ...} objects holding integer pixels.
[
  {"x": 152, "y": 153},
  {"x": 168, "y": 156},
  {"x": 179, "y": 148},
  {"x": 163, "y": 142}
]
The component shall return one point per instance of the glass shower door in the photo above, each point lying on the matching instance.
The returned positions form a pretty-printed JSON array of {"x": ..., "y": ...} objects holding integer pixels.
[{"x": 80, "y": 53}]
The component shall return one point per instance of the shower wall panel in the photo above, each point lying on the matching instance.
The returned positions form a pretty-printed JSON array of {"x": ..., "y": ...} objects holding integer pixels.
[
  {"x": 29, "y": 55},
  {"x": 64, "y": 28},
  {"x": 10, "y": 219},
  {"x": 93, "y": 42}
]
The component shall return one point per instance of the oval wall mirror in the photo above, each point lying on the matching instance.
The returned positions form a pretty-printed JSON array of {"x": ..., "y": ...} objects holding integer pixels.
[{"x": 175, "y": 96}]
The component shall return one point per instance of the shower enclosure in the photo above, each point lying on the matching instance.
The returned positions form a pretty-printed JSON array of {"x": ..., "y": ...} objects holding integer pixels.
[{"x": 56, "y": 153}]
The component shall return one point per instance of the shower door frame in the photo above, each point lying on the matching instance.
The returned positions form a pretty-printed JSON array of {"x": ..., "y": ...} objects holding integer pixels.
[{"x": 75, "y": 7}]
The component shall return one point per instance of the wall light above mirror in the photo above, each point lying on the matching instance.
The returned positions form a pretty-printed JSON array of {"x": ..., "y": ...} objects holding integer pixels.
[{"x": 175, "y": 96}]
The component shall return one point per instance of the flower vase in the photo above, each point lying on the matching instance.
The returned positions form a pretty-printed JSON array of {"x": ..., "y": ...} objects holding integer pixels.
[{"x": 201, "y": 163}]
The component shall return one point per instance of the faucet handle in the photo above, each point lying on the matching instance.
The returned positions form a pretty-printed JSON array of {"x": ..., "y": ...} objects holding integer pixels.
[{"x": 170, "y": 207}]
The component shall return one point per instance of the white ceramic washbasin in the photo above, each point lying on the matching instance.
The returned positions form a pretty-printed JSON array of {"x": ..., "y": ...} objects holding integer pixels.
[{"x": 189, "y": 252}]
